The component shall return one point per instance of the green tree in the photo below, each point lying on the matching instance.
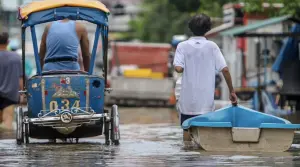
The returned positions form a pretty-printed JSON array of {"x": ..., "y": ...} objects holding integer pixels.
[
  {"x": 290, "y": 7},
  {"x": 162, "y": 19},
  {"x": 159, "y": 21}
]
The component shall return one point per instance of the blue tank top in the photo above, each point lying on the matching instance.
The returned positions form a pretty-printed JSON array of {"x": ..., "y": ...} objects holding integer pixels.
[{"x": 62, "y": 41}]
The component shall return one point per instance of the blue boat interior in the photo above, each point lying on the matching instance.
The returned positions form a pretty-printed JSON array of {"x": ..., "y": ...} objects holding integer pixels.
[{"x": 238, "y": 116}]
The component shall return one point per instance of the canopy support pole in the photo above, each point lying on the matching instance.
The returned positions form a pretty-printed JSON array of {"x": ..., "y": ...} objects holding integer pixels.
[
  {"x": 260, "y": 108},
  {"x": 105, "y": 47},
  {"x": 36, "y": 51},
  {"x": 265, "y": 61},
  {"x": 92, "y": 61},
  {"x": 23, "y": 31}
]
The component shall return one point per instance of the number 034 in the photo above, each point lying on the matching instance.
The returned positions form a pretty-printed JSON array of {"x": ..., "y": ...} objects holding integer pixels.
[{"x": 65, "y": 104}]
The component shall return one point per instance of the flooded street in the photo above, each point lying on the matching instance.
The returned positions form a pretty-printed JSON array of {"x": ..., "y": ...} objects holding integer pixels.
[{"x": 149, "y": 137}]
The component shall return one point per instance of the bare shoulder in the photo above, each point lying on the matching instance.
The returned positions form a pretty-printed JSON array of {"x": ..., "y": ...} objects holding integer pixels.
[
  {"x": 80, "y": 27},
  {"x": 48, "y": 26}
]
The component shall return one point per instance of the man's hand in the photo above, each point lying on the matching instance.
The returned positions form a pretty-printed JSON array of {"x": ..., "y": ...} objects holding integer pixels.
[
  {"x": 233, "y": 98},
  {"x": 178, "y": 69},
  {"x": 227, "y": 76}
]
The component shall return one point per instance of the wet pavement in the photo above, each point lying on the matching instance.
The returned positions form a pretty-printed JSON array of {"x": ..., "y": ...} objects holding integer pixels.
[{"x": 149, "y": 137}]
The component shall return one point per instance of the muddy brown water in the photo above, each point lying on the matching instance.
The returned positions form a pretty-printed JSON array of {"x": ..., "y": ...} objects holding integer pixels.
[{"x": 149, "y": 137}]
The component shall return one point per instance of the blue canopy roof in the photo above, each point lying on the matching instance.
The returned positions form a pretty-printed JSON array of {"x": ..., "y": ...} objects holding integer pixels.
[
  {"x": 74, "y": 13},
  {"x": 289, "y": 50}
]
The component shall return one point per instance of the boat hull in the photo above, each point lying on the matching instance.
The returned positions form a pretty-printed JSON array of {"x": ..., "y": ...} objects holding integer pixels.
[{"x": 223, "y": 139}]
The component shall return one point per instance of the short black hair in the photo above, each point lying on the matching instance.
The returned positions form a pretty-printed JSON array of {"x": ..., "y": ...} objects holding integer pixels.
[
  {"x": 4, "y": 37},
  {"x": 200, "y": 24}
]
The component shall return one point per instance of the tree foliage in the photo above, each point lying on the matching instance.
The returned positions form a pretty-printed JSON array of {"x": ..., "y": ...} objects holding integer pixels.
[
  {"x": 162, "y": 19},
  {"x": 291, "y": 7},
  {"x": 186, "y": 6},
  {"x": 159, "y": 21}
]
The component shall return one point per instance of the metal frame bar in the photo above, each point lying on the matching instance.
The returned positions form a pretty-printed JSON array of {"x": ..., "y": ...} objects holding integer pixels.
[
  {"x": 23, "y": 33},
  {"x": 255, "y": 35},
  {"x": 92, "y": 61},
  {"x": 105, "y": 47},
  {"x": 36, "y": 52}
]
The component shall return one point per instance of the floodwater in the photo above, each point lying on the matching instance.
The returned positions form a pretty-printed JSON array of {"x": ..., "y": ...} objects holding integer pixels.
[{"x": 149, "y": 137}]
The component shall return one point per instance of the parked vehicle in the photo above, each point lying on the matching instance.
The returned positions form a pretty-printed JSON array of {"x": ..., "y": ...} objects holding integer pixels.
[{"x": 66, "y": 104}]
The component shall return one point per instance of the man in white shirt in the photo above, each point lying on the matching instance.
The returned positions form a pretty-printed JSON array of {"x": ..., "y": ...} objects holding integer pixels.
[{"x": 198, "y": 59}]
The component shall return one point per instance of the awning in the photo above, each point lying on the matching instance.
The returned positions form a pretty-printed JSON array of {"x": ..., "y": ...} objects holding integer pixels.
[
  {"x": 219, "y": 29},
  {"x": 37, "y": 6},
  {"x": 239, "y": 31}
]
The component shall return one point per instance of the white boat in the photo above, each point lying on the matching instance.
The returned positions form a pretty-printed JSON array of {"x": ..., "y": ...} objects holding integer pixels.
[{"x": 236, "y": 128}]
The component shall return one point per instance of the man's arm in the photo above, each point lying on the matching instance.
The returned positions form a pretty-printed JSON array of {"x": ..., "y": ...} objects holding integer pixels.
[
  {"x": 221, "y": 66},
  {"x": 22, "y": 97},
  {"x": 43, "y": 45},
  {"x": 80, "y": 61},
  {"x": 228, "y": 80},
  {"x": 179, "y": 59},
  {"x": 21, "y": 86},
  {"x": 85, "y": 46}
]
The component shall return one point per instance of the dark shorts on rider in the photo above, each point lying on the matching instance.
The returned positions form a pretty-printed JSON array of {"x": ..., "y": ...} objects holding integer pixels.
[
  {"x": 184, "y": 117},
  {"x": 4, "y": 102}
]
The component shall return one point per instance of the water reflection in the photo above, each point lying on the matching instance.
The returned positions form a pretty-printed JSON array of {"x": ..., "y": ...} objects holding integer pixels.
[{"x": 157, "y": 144}]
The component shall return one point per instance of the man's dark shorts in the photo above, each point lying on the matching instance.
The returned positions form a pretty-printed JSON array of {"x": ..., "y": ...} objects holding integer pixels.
[
  {"x": 4, "y": 102},
  {"x": 184, "y": 117}
]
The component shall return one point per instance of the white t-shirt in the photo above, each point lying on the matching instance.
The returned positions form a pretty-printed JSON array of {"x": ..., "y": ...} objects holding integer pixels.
[{"x": 200, "y": 59}]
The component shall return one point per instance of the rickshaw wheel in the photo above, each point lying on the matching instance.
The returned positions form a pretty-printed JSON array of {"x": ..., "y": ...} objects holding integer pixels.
[
  {"x": 20, "y": 130},
  {"x": 26, "y": 133},
  {"x": 106, "y": 131},
  {"x": 26, "y": 129},
  {"x": 115, "y": 131}
]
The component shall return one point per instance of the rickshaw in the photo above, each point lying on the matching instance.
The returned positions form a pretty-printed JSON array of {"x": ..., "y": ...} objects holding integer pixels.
[{"x": 66, "y": 104}]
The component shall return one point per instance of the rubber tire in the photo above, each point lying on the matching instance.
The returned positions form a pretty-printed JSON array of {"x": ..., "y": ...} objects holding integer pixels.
[
  {"x": 26, "y": 130},
  {"x": 106, "y": 131},
  {"x": 113, "y": 117},
  {"x": 20, "y": 127},
  {"x": 26, "y": 133}
]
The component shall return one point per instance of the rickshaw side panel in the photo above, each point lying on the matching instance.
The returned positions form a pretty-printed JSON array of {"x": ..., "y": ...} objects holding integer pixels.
[{"x": 49, "y": 93}]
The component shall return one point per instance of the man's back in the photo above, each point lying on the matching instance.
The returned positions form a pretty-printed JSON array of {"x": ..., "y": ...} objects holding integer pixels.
[
  {"x": 62, "y": 42},
  {"x": 200, "y": 59},
  {"x": 10, "y": 73}
]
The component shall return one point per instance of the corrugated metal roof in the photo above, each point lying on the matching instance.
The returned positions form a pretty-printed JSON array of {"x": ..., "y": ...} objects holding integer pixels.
[
  {"x": 254, "y": 26},
  {"x": 219, "y": 29}
]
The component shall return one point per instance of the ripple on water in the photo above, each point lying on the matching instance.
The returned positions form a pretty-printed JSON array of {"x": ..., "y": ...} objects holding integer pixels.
[{"x": 141, "y": 145}]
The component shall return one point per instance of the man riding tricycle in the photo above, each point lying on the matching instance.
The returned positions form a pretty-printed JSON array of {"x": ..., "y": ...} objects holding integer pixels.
[{"x": 64, "y": 102}]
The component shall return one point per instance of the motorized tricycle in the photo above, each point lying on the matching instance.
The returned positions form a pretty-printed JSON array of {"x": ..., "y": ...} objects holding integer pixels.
[{"x": 66, "y": 104}]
